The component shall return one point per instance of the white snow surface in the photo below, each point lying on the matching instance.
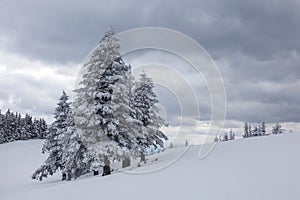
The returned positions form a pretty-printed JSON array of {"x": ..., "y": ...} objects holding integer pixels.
[{"x": 259, "y": 168}]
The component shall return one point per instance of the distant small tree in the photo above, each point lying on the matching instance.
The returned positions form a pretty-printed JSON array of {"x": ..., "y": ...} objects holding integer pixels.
[
  {"x": 225, "y": 137},
  {"x": 255, "y": 131},
  {"x": 277, "y": 129},
  {"x": 216, "y": 139},
  {"x": 231, "y": 135},
  {"x": 250, "y": 131},
  {"x": 259, "y": 132},
  {"x": 246, "y": 130},
  {"x": 263, "y": 128}
]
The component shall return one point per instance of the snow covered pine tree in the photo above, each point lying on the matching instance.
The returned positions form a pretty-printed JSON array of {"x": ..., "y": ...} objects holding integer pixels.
[
  {"x": 103, "y": 111},
  {"x": 102, "y": 127},
  {"x": 144, "y": 105},
  {"x": 15, "y": 127},
  {"x": 101, "y": 108},
  {"x": 277, "y": 129},
  {"x": 54, "y": 142},
  {"x": 231, "y": 135},
  {"x": 76, "y": 160},
  {"x": 246, "y": 130}
]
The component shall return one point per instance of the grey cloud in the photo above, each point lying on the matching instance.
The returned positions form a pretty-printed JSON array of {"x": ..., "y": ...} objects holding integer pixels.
[
  {"x": 256, "y": 44},
  {"x": 62, "y": 31},
  {"x": 65, "y": 31}
]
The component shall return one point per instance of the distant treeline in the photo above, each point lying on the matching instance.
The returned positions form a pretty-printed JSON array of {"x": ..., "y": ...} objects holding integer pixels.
[
  {"x": 254, "y": 130},
  {"x": 14, "y": 126},
  {"x": 225, "y": 137},
  {"x": 251, "y": 130}
]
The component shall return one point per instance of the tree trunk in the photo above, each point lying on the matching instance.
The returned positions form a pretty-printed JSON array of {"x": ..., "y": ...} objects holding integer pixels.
[
  {"x": 106, "y": 170},
  {"x": 125, "y": 162},
  {"x": 143, "y": 157},
  {"x": 64, "y": 177},
  {"x": 96, "y": 172}
]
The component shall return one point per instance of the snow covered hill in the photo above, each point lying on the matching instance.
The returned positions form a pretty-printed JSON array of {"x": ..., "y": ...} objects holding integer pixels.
[{"x": 256, "y": 168}]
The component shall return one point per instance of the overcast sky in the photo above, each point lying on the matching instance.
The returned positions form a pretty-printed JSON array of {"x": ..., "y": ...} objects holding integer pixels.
[{"x": 255, "y": 44}]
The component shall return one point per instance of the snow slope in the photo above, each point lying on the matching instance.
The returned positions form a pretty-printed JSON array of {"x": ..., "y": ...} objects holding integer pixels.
[{"x": 255, "y": 168}]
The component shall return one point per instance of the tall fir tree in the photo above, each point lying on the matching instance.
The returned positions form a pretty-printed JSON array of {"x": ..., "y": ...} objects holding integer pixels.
[
  {"x": 55, "y": 140},
  {"x": 144, "y": 103},
  {"x": 85, "y": 115},
  {"x": 100, "y": 109},
  {"x": 105, "y": 122},
  {"x": 113, "y": 105}
]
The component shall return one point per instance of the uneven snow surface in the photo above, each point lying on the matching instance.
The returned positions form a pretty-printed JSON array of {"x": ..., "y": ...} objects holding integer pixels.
[{"x": 256, "y": 169}]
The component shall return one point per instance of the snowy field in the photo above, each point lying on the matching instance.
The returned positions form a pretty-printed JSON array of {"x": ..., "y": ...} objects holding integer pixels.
[{"x": 256, "y": 168}]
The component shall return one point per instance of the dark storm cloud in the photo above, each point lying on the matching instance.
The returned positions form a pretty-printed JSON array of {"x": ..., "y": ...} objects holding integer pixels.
[
  {"x": 62, "y": 31},
  {"x": 256, "y": 44},
  {"x": 65, "y": 31}
]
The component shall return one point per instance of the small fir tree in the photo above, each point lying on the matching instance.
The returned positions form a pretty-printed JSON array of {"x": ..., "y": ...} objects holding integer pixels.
[{"x": 55, "y": 141}]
